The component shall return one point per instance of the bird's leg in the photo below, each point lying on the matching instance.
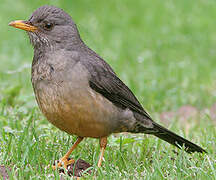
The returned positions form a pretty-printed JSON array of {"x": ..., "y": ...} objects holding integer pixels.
[
  {"x": 103, "y": 143},
  {"x": 65, "y": 159}
]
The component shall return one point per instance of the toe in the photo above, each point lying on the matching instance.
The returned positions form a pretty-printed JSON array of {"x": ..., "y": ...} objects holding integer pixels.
[{"x": 63, "y": 162}]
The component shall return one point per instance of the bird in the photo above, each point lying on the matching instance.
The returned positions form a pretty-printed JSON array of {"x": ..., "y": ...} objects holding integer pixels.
[{"x": 78, "y": 91}]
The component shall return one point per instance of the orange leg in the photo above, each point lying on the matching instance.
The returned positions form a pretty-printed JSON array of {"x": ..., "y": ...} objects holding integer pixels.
[
  {"x": 64, "y": 160},
  {"x": 103, "y": 143}
]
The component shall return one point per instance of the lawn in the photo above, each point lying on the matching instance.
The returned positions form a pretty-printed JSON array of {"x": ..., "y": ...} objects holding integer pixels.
[{"x": 163, "y": 50}]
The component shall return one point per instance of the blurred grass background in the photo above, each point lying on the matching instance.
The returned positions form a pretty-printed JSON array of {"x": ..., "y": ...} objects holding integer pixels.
[{"x": 163, "y": 50}]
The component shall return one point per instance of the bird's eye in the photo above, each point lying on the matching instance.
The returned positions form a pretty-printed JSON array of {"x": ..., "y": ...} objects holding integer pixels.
[{"x": 48, "y": 26}]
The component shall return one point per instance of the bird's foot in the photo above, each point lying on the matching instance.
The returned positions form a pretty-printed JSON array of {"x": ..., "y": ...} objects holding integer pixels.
[
  {"x": 65, "y": 162},
  {"x": 72, "y": 168}
]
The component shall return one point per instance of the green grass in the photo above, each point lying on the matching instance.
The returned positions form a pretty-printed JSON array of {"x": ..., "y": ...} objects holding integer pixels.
[{"x": 163, "y": 50}]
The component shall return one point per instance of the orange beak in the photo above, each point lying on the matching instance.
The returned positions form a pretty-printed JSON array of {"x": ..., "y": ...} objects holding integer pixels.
[{"x": 23, "y": 25}]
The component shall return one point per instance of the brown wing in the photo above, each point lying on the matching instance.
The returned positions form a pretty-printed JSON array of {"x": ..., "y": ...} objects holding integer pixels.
[{"x": 104, "y": 81}]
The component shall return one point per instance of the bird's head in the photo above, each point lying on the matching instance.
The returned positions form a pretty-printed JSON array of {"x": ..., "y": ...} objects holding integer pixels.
[{"x": 49, "y": 26}]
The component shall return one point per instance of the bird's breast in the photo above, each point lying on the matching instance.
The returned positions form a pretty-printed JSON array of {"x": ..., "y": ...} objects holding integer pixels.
[{"x": 71, "y": 105}]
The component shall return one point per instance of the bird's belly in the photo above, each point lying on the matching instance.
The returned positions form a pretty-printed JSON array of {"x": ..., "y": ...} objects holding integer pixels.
[{"x": 82, "y": 112}]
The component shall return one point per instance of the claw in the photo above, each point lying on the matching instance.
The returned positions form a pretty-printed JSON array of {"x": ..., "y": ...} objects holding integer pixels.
[{"x": 63, "y": 162}]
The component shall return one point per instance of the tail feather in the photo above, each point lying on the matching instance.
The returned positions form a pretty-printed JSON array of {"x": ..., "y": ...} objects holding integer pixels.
[{"x": 175, "y": 139}]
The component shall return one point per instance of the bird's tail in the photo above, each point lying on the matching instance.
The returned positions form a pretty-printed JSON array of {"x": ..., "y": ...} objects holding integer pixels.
[{"x": 175, "y": 139}]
